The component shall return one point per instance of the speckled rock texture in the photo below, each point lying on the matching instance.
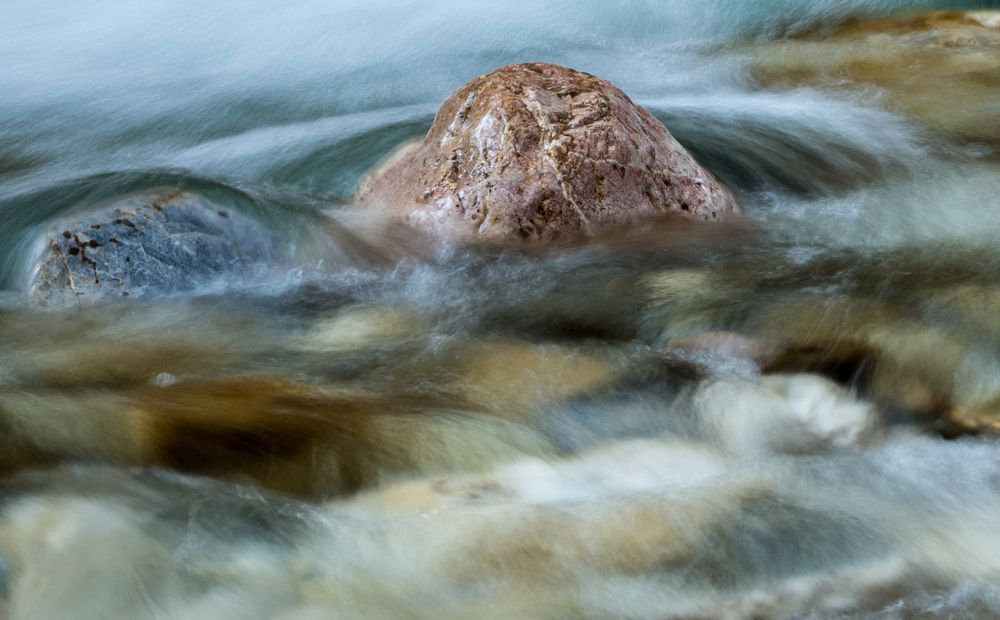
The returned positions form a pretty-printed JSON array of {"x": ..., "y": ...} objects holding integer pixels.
[
  {"x": 538, "y": 152},
  {"x": 156, "y": 242}
]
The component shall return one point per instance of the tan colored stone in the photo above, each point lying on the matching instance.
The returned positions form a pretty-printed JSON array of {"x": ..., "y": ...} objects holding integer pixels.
[
  {"x": 538, "y": 152},
  {"x": 941, "y": 68},
  {"x": 760, "y": 350},
  {"x": 518, "y": 378}
]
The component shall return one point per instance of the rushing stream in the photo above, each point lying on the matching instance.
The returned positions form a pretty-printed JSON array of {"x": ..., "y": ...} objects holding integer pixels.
[{"x": 367, "y": 428}]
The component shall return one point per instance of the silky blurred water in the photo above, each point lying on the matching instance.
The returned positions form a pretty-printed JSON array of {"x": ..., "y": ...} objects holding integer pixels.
[{"x": 484, "y": 433}]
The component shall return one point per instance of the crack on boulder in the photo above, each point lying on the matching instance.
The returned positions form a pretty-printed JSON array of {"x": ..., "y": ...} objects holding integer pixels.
[
  {"x": 566, "y": 151},
  {"x": 554, "y": 148}
]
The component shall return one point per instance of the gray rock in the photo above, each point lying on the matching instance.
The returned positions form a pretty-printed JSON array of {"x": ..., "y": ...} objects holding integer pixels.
[{"x": 156, "y": 242}]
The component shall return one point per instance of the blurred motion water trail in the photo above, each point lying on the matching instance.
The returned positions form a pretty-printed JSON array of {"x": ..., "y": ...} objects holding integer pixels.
[{"x": 793, "y": 414}]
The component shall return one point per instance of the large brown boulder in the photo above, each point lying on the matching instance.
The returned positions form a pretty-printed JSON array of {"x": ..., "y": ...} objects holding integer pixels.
[{"x": 538, "y": 152}]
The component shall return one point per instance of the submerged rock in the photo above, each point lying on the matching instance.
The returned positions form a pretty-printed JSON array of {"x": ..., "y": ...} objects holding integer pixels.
[
  {"x": 782, "y": 413},
  {"x": 156, "y": 242},
  {"x": 538, "y": 152},
  {"x": 941, "y": 68}
]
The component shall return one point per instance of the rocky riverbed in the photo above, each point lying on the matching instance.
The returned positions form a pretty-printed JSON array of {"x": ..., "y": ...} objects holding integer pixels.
[{"x": 441, "y": 311}]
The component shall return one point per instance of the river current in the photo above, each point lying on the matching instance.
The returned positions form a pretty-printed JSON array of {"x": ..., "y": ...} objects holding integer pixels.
[{"x": 369, "y": 429}]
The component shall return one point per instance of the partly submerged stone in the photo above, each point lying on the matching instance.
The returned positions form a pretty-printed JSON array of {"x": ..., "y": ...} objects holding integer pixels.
[
  {"x": 538, "y": 152},
  {"x": 782, "y": 413},
  {"x": 942, "y": 68},
  {"x": 155, "y": 242}
]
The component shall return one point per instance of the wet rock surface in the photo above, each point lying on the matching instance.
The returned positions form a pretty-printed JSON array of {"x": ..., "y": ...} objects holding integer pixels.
[
  {"x": 156, "y": 242},
  {"x": 942, "y": 67},
  {"x": 539, "y": 152}
]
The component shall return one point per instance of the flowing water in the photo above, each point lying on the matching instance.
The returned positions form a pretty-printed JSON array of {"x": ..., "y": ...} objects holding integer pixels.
[{"x": 371, "y": 430}]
